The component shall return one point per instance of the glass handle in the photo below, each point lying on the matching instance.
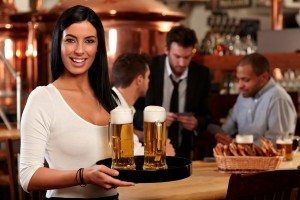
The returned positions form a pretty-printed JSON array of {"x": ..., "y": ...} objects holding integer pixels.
[{"x": 297, "y": 138}]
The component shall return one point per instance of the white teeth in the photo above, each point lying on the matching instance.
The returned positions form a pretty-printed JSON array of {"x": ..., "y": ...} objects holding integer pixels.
[{"x": 78, "y": 60}]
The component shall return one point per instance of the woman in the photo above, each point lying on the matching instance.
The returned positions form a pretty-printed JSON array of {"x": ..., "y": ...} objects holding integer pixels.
[{"x": 66, "y": 121}]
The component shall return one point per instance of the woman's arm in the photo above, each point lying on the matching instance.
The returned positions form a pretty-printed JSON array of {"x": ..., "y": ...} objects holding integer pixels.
[
  {"x": 45, "y": 178},
  {"x": 35, "y": 133}
]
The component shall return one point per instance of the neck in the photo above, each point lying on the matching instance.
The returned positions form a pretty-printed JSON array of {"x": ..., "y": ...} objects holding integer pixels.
[
  {"x": 129, "y": 95},
  {"x": 177, "y": 75},
  {"x": 74, "y": 83}
]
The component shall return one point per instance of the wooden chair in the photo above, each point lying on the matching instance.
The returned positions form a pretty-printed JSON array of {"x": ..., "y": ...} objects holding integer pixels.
[
  {"x": 269, "y": 185},
  {"x": 10, "y": 179},
  {"x": 9, "y": 176}
]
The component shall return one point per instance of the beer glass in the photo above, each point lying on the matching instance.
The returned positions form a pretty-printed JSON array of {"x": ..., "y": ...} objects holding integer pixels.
[
  {"x": 154, "y": 138},
  {"x": 286, "y": 145},
  {"x": 244, "y": 139},
  {"x": 121, "y": 138}
]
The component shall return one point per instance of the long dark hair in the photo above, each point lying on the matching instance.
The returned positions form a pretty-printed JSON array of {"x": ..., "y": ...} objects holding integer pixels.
[{"x": 98, "y": 72}]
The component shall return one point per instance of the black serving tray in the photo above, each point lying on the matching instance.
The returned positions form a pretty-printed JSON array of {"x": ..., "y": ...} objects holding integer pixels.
[{"x": 178, "y": 168}]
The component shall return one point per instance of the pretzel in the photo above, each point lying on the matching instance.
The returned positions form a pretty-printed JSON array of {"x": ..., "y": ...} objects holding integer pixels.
[
  {"x": 249, "y": 150},
  {"x": 273, "y": 152},
  {"x": 241, "y": 150},
  {"x": 264, "y": 149},
  {"x": 267, "y": 146},
  {"x": 219, "y": 149},
  {"x": 233, "y": 149},
  {"x": 226, "y": 151}
]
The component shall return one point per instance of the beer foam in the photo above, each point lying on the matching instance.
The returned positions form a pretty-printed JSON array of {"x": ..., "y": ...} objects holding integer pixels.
[
  {"x": 121, "y": 115},
  {"x": 154, "y": 114},
  {"x": 244, "y": 139},
  {"x": 284, "y": 141}
]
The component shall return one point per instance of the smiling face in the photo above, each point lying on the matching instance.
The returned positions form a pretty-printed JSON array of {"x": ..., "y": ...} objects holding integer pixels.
[
  {"x": 179, "y": 57},
  {"x": 78, "y": 48}
]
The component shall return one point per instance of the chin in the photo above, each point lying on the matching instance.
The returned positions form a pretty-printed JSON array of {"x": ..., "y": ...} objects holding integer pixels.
[{"x": 245, "y": 95}]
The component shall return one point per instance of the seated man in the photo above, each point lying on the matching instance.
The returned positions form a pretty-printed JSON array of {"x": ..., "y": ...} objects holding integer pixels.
[
  {"x": 130, "y": 76},
  {"x": 263, "y": 107}
]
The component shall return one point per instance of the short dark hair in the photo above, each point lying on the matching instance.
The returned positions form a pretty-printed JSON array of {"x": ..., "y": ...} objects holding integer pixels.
[
  {"x": 258, "y": 62},
  {"x": 98, "y": 72},
  {"x": 128, "y": 66},
  {"x": 182, "y": 35}
]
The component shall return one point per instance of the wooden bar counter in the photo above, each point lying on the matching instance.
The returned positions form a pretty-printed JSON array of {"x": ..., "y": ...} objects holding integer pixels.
[{"x": 204, "y": 183}]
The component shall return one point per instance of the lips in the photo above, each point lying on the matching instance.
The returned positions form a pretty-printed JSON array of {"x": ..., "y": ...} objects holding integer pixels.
[{"x": 78, "y": 62}]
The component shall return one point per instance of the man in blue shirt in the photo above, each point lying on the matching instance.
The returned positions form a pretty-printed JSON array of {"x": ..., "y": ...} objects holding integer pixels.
[{"x": 263, "y": 107}]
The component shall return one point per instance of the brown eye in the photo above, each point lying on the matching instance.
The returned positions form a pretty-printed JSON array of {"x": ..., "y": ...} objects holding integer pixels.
[
  {"x": 90, "y": 41},
  {"x": 69, "y": 40}
]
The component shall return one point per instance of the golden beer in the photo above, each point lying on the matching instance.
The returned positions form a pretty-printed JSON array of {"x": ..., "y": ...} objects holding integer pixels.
[
  {"x": 287, "y": 146},
  {"x": 154, "y": 138},
  {"x": 121, "y": 131}
]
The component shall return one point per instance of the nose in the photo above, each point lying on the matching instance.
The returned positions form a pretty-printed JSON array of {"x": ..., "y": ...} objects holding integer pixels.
[
  {"x": 183, "y": 62},
  {"x": 240, "y": 84},
  {"x": 79, "y": 48}
]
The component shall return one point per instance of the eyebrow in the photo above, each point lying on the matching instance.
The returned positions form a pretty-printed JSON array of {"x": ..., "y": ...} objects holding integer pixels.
[
  {"x": 177, "y": 55},
  {"x": 71, "y": 35}
]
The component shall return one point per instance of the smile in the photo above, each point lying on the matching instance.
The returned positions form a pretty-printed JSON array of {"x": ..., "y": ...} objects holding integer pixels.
[{"x": 78, "y": 60}]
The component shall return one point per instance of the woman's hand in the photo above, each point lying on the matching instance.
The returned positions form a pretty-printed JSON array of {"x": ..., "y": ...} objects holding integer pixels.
[{"x": 104, "y": 177}]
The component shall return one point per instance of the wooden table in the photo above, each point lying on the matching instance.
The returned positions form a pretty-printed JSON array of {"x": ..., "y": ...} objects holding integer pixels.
[{"x": 204, "y": 183}]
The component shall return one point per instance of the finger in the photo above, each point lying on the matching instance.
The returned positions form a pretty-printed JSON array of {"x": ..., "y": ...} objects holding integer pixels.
[
  {"x": 181, "y": 118},
  {"x": 168, "y": 123},
  {"x": 107, "y": 170},
  {"x": 168, "y": 141},
  {"x": 108, "y": 182},
  {"x": 170, "y": 114},
  {"x": 182, "y": 121},
  {"x": 171, "y": 118},
  {"x": 118, "y": 183},
  {"x": 186, "y": 120}
]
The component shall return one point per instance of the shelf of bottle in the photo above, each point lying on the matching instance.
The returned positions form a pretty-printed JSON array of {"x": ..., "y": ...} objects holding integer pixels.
[
  {"x": 222, "y": 64},
  {"x": 229, "y": 62}
]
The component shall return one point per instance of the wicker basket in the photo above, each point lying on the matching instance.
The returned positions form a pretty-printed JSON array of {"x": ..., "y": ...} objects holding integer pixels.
[{"x": 244, "y": 164}]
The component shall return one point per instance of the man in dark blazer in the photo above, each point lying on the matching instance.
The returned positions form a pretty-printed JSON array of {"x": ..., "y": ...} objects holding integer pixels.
[{"x": 176, "y": 65}]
